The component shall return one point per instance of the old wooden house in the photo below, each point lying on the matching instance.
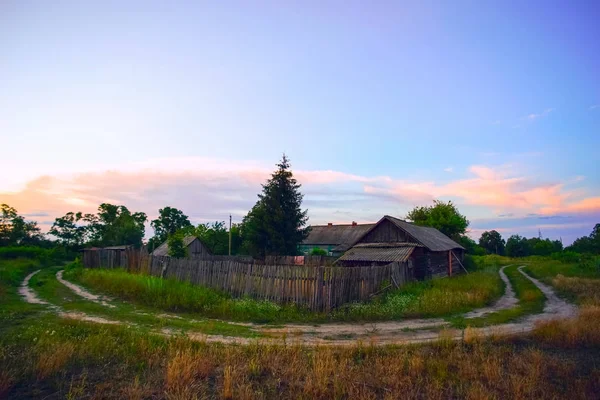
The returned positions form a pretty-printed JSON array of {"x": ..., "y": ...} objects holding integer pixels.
[
  {"x": 194, "y": 246},
  {"x": 334, "y": 239},
  {"x": 425, "y": 252}
]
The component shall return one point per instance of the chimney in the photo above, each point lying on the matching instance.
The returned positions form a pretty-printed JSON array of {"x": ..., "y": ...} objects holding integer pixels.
[
  {"x": 329, "y": 224},
  {"x": 354, "y": 223}
]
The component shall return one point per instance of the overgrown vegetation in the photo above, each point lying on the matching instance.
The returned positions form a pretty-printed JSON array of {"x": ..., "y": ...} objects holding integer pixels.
[
  {"x": 433, "y": 298},
  {"x": 437, "y": 297},
  {"x": 72, "y": 359},
  {"x": 531, "y": 301},
  {"x": 42, "y": 355}
]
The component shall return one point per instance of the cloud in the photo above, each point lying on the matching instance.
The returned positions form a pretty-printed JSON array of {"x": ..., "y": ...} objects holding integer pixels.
[
  {"x": 594, "y": 106},
  {"x": 209, "y": 190},
  {"x": 532, "y": 117},
  {"x": 449, "y": 169},
  {"x": 36, "y": 214},
  {"x": 497, "y": 122}
]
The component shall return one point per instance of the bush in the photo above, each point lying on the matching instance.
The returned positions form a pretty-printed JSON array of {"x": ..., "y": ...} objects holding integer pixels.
[
  {"x": 569, "y": 256},
  {"x": 318, "y": 252},
  {"x": 468, "y": 262},
  {"x": 44, "y": 256}
]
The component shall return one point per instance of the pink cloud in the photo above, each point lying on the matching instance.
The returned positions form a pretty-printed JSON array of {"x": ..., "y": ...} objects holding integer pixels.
[{"x": 207, "y": 189}]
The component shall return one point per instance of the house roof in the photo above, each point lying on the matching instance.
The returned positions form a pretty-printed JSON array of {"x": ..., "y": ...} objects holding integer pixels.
[
  {"x": 342, "y": 236},
  {"x": 431, "y": 238},
  {"x": 163, "y": 249},
  {"x": 378, "y": 254}
]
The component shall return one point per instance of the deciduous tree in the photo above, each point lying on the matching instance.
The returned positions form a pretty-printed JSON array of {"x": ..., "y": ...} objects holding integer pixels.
[
  {"x": 169, "y": 221},
  {"x": 15, "y": 230},
  {"x": 443, "y": 216},
  {"x": 492, "y": 242}
]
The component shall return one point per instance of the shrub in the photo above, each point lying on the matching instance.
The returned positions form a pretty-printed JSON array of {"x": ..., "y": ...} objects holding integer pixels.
[
  {"x": 45, "y": 256},
  {"x": 318, "y": 252}
]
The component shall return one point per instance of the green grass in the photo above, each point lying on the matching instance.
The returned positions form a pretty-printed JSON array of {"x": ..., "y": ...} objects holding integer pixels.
[
  {"x": 531, "y": 301},
  {"x": 48, "y": 288},
  {"x": 46, "y": 357},
  {"x": 12, "y": 273},
  {"x": 438, "y": 297},
  {"x": 548, "y": 268},
  {"x": 433, "y": 298}
]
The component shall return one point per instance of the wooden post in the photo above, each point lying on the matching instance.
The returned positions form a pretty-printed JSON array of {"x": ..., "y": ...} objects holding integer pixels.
[{"x": 449, "y": 263}]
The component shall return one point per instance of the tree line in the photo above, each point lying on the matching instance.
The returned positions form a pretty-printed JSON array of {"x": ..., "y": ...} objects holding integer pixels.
[{"x": 275, "y": 225}]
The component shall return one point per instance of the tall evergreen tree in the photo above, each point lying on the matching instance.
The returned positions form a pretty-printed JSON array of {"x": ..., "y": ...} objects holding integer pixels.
[{"x": 276, "y": 224}]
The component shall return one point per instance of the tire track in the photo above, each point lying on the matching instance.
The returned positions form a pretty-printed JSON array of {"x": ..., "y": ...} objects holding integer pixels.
[{"x": 386, "y": 333}]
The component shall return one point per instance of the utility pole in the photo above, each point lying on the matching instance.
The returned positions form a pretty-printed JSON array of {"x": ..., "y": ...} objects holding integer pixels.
[{"x": 229, "y": 234}]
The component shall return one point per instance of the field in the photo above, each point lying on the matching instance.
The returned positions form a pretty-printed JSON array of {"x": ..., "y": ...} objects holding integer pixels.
[{"x": 46, "y": 356}]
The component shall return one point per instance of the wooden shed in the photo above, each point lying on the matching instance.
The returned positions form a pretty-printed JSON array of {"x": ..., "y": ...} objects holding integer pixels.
[
  {"x": 195, "y": 248},
  {"x": 425, "y": 251}
]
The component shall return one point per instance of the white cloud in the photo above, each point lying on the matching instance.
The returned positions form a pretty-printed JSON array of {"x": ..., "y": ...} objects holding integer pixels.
[
  {"x": 594, "y": 106},
  {"x": 532, "y": 117},
  {"x": 449, "y": 169}
]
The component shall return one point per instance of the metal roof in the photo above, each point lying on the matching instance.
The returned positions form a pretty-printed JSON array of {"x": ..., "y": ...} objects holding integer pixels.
[
  {"x": 342, "y": 236},
  {"x": 389, "y": 244},
  {"x": 378, "y": 254},
  {"x": 163, "y": 249}
]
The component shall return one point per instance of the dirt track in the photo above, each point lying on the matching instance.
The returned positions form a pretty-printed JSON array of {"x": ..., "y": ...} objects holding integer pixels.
[
  {"x": 508, "y": 299},
  {"x": 380, "y": 333}
]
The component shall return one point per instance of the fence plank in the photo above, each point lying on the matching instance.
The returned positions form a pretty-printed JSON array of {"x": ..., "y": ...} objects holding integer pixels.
[{"x": 303, "y": 281}]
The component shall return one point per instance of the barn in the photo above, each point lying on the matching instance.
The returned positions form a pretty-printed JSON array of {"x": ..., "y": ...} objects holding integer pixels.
[
  {"x": 425, "y": 252},
  {"x": 334, "y": 239},
  {"x": 195, "y": 248}
]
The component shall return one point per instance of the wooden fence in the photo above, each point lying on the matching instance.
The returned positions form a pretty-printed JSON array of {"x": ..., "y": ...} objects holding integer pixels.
[
  {"x": 299, "y": 260},
  {"x": 320, "y": 288}
]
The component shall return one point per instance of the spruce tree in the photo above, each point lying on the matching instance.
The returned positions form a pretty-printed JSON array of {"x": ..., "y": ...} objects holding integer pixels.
[{"x": 276, "y": 225}]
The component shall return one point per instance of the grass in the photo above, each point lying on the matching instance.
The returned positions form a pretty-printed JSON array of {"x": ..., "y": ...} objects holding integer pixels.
[
  {"x": 76, "y": 359},
  {"x": 530, "y": 301},
  {"x": 433, "y": 298},
  {"x": 48, "y": 288},
  {"x": 12, "y": 273},
  {"x": 45, "y": 356},
  {"x": 577, "y": 281}
]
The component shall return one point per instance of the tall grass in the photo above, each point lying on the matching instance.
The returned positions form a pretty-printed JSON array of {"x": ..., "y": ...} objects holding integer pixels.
[
  {"x": 433, "y": 298},
  {"x": 419, "y": 299},
  {"x": 531, "y": 301},
  {"x": 119, "y": 362},
  {"x": 178, "y": 296}
]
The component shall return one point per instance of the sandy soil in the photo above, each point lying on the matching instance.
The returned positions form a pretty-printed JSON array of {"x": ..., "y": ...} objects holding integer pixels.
[
  {"x": 29, "y": 294},
  {"x": 82, "y": 292},
  {"x": 382, "y": 333}
]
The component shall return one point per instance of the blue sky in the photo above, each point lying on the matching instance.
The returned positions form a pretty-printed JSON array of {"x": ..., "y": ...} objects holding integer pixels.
[{"x": 495, "y": 105}]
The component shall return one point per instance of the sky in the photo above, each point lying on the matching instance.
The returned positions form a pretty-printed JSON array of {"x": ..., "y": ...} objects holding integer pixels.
[{"x": 381, "y": 106}]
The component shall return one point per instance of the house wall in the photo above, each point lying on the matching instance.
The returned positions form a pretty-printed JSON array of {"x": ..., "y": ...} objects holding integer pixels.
[
  {"x": 431, "y": 264},
  {"x": 197, "y": 249},
  {"x": 385, "y": 232}
]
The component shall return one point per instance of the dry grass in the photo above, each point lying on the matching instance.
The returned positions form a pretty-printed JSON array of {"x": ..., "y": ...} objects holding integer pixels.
[
  {"x": 474, "y": 368},
  {"x": 6, "y": 382},
  {"x": 52, "y": 359},
  {"x": 185, "y": 374},
  {"x": 587, "y": 291},
  {"x": 583, "y": 331}
]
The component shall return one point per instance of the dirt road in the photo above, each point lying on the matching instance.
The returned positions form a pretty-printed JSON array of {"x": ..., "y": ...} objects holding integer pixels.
[{"x": 379, "y": 333}]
